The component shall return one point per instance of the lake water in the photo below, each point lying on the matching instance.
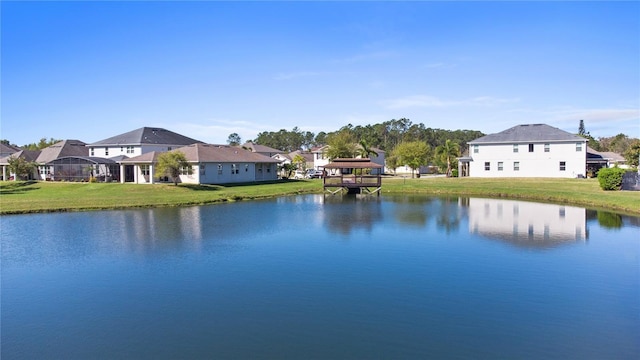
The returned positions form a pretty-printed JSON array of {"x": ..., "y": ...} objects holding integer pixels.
[{"x": 309, "y": 277}]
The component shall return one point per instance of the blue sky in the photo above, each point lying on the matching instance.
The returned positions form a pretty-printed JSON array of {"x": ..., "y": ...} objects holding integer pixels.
[{"x": 91, "y": 70}]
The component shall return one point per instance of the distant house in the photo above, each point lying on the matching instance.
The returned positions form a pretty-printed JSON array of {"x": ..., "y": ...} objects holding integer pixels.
[
  {"x": 64, "y": 160},
  {"x": 320, "y": 159},
  {"x": 288, "y": 158},
  {"x": 596, "y": 160},
  {"x": 135, "y": 143},
  {"x": 67, "y": 160},
  {"x": 210, "y": 164},
  {"x": 261, "y": 149},
  {"x": 6, "y": 150},
  {"x": 27, "y": 155},
  {"x": 531, "y": 150}
]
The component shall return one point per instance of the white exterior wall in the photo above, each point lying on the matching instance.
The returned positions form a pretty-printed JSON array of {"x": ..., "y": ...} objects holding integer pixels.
[
  {"x": 527, "y": 221},
  {"x": 532, "y": 164},
  {"x": 319, "y": 160},
  {"x": 137, "y": 150}
]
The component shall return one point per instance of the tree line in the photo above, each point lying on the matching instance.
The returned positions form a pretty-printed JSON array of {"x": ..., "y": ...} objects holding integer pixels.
[{"x": 384, "y": 136}]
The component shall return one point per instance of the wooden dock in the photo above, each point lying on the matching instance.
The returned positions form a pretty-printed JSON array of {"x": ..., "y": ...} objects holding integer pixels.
[{"x": 352, "y": 176}]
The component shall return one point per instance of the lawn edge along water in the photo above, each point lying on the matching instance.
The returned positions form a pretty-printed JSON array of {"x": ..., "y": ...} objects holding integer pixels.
[{"x": 40, "y": 197}]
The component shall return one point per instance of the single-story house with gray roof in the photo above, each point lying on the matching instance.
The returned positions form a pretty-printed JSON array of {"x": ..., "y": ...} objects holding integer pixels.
[{"x": 210, "y": 164}]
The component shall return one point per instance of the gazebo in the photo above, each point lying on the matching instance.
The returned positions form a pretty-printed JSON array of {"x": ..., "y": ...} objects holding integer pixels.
[{"x": 353, "y": 176}]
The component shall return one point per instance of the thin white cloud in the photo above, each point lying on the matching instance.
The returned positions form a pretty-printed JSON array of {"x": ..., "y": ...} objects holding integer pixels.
[{"x": 433, "y": 101}]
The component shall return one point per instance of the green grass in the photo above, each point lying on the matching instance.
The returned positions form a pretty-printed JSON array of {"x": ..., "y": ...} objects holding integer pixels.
[
  {"x": 29, "y": 197},
  {"x": 579, "y": 192}
]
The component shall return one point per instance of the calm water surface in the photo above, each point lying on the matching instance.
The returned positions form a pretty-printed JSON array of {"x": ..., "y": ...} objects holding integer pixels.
[{"x": 309, "y": 277}]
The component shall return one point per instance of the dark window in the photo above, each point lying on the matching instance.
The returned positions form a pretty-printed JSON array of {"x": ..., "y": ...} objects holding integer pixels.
[
  {"x": 563, "y": 166},
  {"x": 487, "y": 166},
  {"x": 530, "y": 147}
]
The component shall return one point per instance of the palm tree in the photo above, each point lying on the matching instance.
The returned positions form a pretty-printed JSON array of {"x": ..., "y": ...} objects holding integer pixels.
[
  {"x": 448, "y": 152},
  {"x": 365, "y": 151}
]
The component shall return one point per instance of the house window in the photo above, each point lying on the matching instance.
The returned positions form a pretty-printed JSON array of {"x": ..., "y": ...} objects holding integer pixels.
[
  {"x": 91, "y": 151},
  {"x": 578, "y": 147},
  {"x": 203, "y": 169},
  {"x": 129, "y": 149},
  {"x": 186, "y": 170},
  {"x": 487, "y": 166},
  {"x": 169, "y": 148},
  {"x": 234, "y": 169},
  {"x": 563, "y": 165},
  {"x": 246, "y": 167},
  {"x": 121, "y": 148},
  {"x": 219, "y": 169},
  {"x": 500, "y": 165},
  {"x": 515, "y": 148},
  {"x": 144, "y": 169},
  {"x": 476, "y": 149},
  {"x": 530, "y": 147},
  {"x": 106, "y": 151},
  {"x": 516, "y": 166},
  {"x": 546, "y": 147}
]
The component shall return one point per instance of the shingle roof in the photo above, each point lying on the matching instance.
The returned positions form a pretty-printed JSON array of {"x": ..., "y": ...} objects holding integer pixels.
[
  {"x": 208, "y": 153},
  {"x": 222, "y": 153},
  {"x": 349, "y": 163},
  {"x": 529, "y": 132},
  {"x": 147, "y": 135},
  {"x": 149, "y": 157},
  {"x": 8, "y": 149},
  {"x": 260, "y": 148},
  {"x": 308, "y": 157},
  {"x": 63, "y": 148},
  {"x": 28, "y": 155}
]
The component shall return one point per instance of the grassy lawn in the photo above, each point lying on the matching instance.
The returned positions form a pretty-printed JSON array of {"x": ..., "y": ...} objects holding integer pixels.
[{"x": 26, "y": 197}]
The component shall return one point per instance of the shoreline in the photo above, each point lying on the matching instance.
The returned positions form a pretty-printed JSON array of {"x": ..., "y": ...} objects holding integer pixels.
[{"x": 34, "y": 197}]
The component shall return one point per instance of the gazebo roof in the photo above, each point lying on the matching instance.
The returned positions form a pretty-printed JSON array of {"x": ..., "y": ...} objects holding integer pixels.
[{"x": 349, "y": 163}]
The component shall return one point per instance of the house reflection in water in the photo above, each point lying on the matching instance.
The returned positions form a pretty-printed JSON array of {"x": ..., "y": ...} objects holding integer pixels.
[{"x": 527, "y": 224}]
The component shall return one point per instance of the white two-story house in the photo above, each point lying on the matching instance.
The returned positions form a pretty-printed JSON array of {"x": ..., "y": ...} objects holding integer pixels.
[
  {"x": 531, "y": 150},
  {"x": 135, "y": 143},
  {"x": 138, "y": 142}
]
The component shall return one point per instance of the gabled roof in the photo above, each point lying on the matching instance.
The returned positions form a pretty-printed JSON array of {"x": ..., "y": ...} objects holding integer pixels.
[
  {"x": 351, "y": 163},
  {"x": 222, "y": 153},
  {"x": 28, "y": 155},
  {"x": 260, "y": 148},
  {"x": 604, "y": 155},
  {"x": 528, "y": 133},
  {"x": 8, "y": 149},
  {"x": 208, "y": 153},
  {"x": 63, "y": 148},
  {"x": 308, "y": 157},
  {"x": 147, "y": 135},
  {"x": 149, "y": 157}
]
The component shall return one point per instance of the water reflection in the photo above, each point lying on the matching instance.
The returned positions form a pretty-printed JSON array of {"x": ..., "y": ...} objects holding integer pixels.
[
  {"x": 344, "y": 214},
  {"x": 527, "y": 224}
]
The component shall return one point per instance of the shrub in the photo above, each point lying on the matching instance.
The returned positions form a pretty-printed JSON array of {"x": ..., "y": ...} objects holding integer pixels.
[
  {"x": 610, "y": 178},
  {"x": 454, "y": 173},
  {"x": 93, "y": 180}
]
